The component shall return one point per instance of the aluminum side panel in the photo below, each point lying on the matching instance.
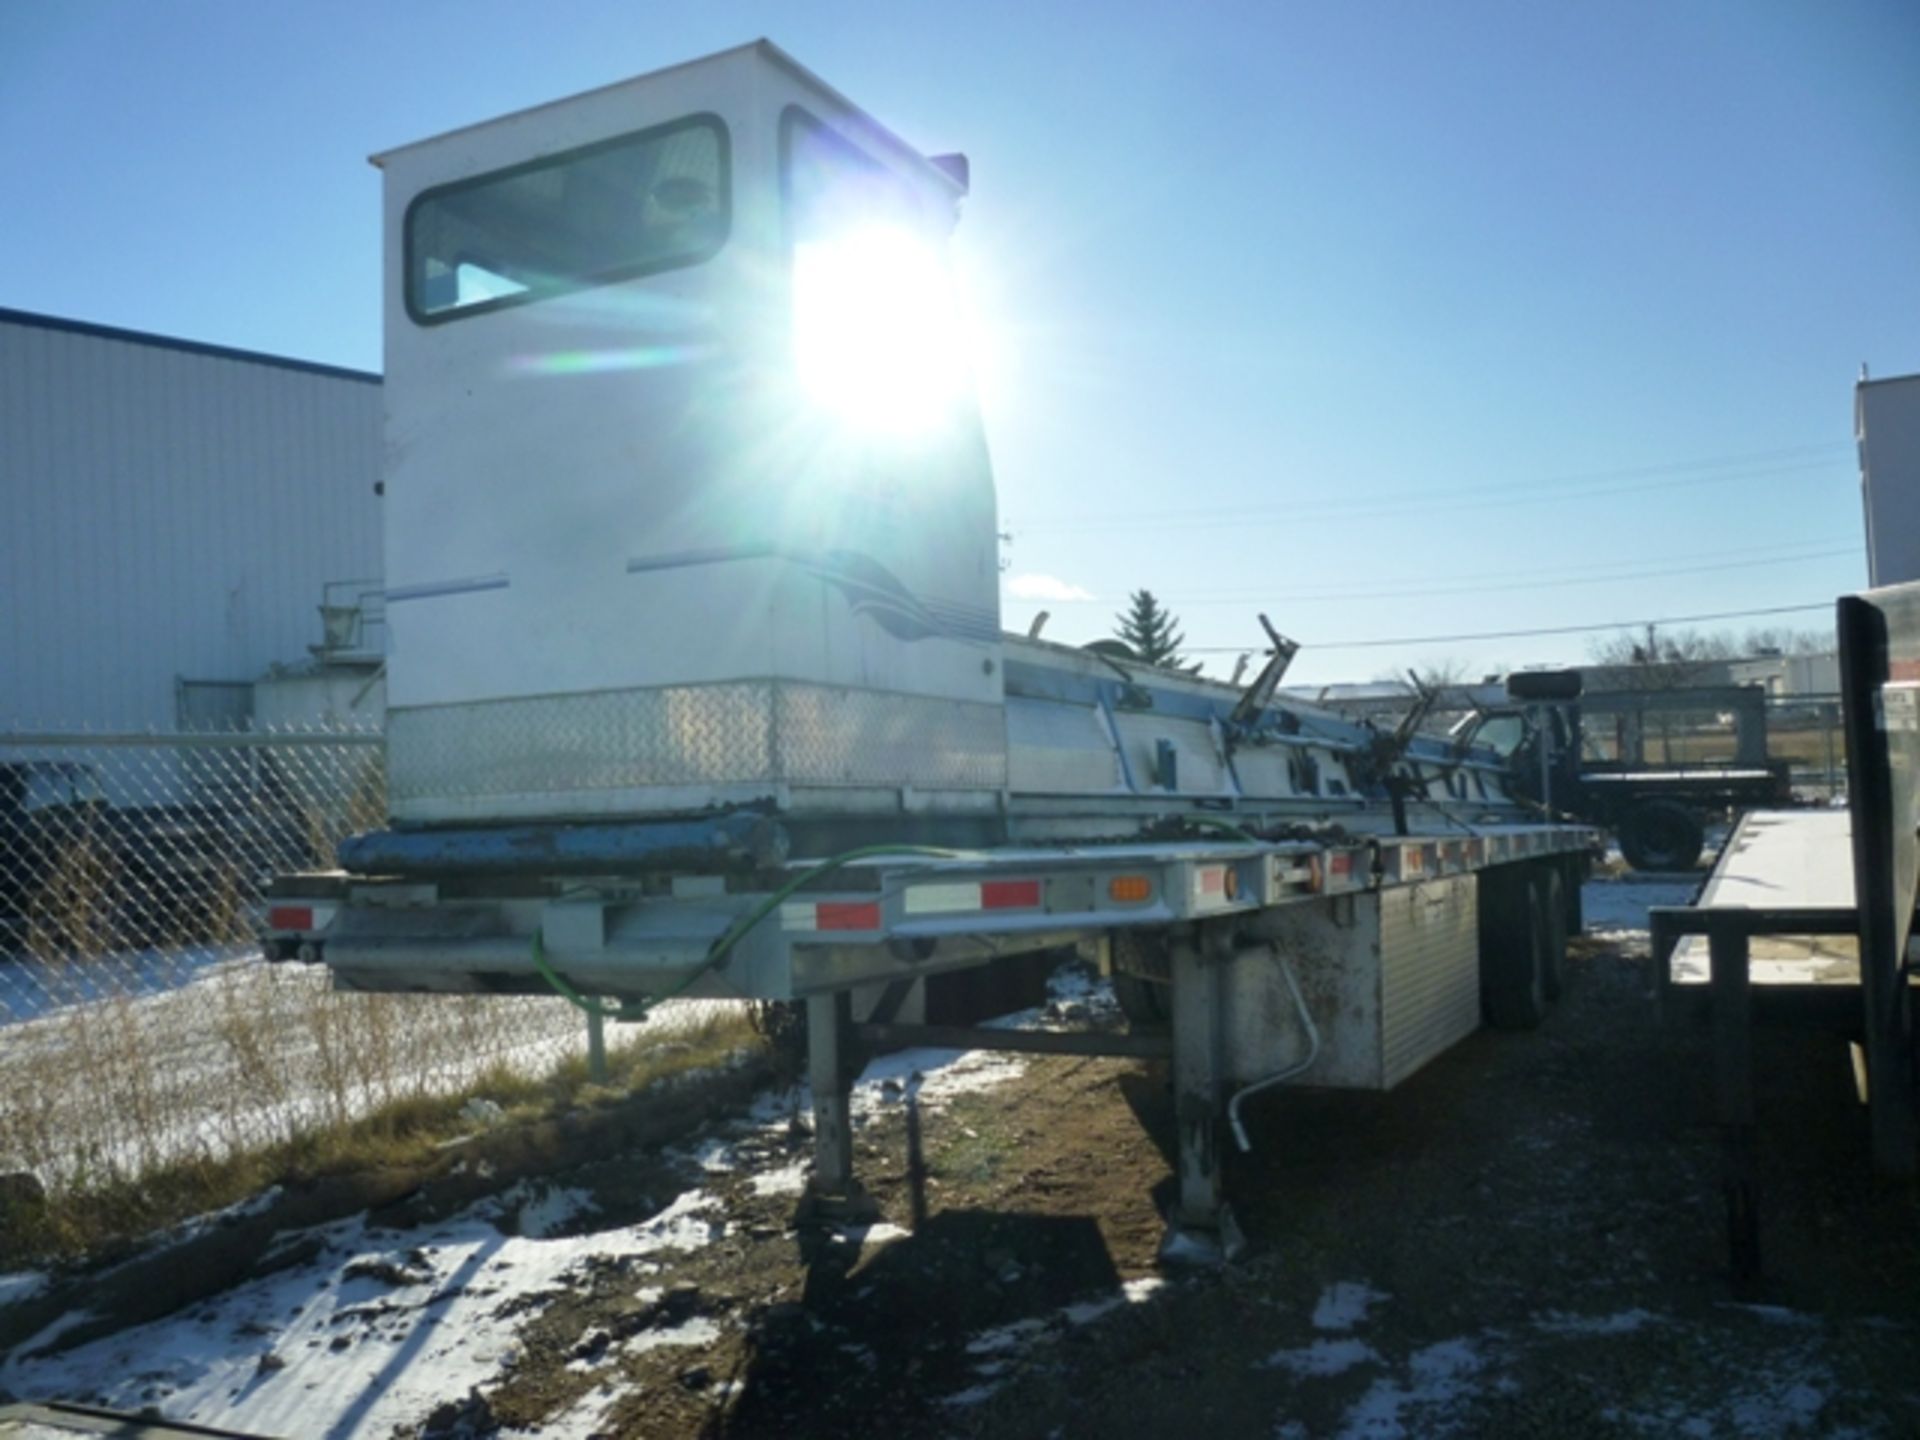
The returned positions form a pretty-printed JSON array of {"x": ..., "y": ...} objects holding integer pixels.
[
  {"x": 566, "y": 754},
  {"x": 1055, "y": 749},
  {"x": 1198, "y": 760},
  {"x": 1430, "y": 972},
  {"x": 1333, "y": 946}
]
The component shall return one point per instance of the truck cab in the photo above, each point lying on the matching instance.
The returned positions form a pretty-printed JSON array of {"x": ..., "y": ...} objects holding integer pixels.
[
  {"x": 1586, "y": 754},
  {"x": 687, "y": 499}
]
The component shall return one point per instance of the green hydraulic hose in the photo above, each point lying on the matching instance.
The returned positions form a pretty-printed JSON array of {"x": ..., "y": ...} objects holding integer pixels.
[
  {"x": 634, "y": 1011},
  {"x": 1224, "y": 827}
]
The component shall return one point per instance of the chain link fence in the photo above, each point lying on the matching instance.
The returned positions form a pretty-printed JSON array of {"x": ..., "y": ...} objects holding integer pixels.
[{"x": 140, "y": 1026}]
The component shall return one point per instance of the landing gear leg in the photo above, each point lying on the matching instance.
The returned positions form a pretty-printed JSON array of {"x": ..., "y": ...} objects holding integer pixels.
[
  {"x": 832, "y": 1193},
  {"x": 1201, "y": 1229}
]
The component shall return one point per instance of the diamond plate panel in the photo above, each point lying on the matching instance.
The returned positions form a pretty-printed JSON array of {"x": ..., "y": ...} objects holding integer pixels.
[
  {"x": 608, "y": 740},
  {"x": 751, "y": 732},
  {"x": 826, "y": 736}
]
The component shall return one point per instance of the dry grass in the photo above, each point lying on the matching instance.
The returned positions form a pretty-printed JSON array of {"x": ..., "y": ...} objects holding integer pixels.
[
  {"x": 102, "y": 1210},
  {"x": 152, "y": 1066}
]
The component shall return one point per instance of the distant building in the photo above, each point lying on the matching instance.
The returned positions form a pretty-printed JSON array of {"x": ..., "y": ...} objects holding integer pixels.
[
  {"x": 1788, "y": 676},
  {"x": 173, "y": 514},
  {"x": 1887, "y": 426}
]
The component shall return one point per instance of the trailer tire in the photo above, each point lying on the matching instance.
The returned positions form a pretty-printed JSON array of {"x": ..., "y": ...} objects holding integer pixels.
[
  {"x": 1513, "y": 948},
  {"x": 1661, "y": 835},
  {"x": 1553, "y": 917},
  {"x": 1574, "y": 872}
]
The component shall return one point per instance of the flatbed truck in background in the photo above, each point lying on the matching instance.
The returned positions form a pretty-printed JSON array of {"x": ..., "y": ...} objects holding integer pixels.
[
  {"x": 697, "y": 683},
  {"x": 1596, "y": 766}
]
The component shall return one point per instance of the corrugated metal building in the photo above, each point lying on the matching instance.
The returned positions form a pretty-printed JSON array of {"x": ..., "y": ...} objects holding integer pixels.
[
  {"x": 172, "y": 512},
  {"x": 1887, "y": 426}
]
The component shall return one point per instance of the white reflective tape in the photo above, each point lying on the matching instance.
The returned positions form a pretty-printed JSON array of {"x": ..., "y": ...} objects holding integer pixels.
[
  {"x": 799, "y": 915},
  {"x": 941, "y": 899}
]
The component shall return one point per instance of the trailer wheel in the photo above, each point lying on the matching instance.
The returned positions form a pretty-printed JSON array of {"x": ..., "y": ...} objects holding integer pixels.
[
  {"x": 1552, "y": 885},
  {"x": 1661, "y": 835},
  {"x": 1513, "y": 948},
  {"x": 1574, "y": 872}
]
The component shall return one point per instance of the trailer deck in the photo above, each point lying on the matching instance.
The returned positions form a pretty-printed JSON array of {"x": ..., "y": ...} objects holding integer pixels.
[
  {"x": 1829, "y": 897},
  {"x": 1784, "y": 862}
]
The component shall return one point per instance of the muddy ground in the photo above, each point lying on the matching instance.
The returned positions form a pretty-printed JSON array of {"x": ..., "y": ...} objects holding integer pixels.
[{"x": 1524, "y": 1239}]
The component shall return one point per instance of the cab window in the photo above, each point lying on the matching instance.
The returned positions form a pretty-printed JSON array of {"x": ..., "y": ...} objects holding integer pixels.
[{"x": 612, "y": 211}]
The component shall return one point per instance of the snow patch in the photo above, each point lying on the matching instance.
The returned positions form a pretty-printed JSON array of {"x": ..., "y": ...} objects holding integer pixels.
[
  {"x": 1439, "y": 1377},
  {"x": 937, "y": 1076},
  {"x": 697, "y": 1330},
  {"x": 1323, "y": 1358},
  {"x": 350, "y": 1342},
  {"x": 1134, "y": 1292},
  {"x": 787, "y": 1180},
  {"x": 550, "y": 1212},
  {"x": 1006, "y": 1337},
  {"x": 997, "y": 1349},
  {"x": 1345, "y": 1304},
  {"x": 973, "y": 1394},
  {"x": 21, "y": 1286},
  {"x": 1618, "y": 908},
  {"x": 1775, "y": 1314},
  {"x": 1623, "y": 1322},
  {"x": 686, "y": 1224}
]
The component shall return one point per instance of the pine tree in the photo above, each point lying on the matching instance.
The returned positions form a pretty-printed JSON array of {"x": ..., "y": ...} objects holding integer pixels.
[{"x": 1149, "y": 630}]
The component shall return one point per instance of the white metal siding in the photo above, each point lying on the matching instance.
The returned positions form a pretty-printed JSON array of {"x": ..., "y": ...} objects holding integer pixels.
[{"x": 168, "y": 513}]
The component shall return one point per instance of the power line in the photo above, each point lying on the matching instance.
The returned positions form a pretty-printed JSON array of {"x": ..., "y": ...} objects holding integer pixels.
[
  {"x": 1405, "y": 503},
  {"x": 1447, "y": 586},
  {"x": 1584, "y": 484},
  {"x": 1520, "y": 634},
  {"x": 1580, "y": 478},
  {"x": 1691, "y": 555}
]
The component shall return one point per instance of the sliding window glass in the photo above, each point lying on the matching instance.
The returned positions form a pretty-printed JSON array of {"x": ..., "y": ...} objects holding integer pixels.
[{"x": 613, "y": 211}]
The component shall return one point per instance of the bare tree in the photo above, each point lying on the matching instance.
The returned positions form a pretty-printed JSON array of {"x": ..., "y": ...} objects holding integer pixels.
[
  {"x": 1783, "y": 640},
  {"x": 1662, "y": 659},
  {"x": 1439, "y": 674}
]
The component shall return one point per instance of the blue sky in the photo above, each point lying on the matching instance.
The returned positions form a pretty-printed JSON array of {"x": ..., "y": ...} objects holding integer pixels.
[{"x": 1391, "y": 320}]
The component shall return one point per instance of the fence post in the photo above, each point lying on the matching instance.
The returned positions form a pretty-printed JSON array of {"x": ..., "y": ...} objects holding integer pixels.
[
  {"x": 596, "y": 1047},
  {"x": 1829, "y": 715}
]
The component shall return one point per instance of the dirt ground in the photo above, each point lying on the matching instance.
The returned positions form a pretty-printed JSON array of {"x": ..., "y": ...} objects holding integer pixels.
[{"x": 1523, "y": 1239}]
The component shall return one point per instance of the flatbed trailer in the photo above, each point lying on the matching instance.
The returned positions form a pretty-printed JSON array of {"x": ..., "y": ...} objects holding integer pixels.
[
  {"x": 1807, "y": 918},
  {"x": 698, "y": 685},
  {"x": 1246, "y": 959}
]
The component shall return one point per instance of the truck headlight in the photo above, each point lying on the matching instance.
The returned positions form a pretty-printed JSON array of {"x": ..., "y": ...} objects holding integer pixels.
[{"x": 876, "y": 337}]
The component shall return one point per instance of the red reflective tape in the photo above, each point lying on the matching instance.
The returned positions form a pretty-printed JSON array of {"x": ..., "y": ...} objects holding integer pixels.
[
  {"x": 1009, "y": 894},
  {"x": 1213, "y": 882},
  {"x": 290, "y": 917},
  {"x": 1340, "y": 863},
  {"x": 843, "y": 916}
]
